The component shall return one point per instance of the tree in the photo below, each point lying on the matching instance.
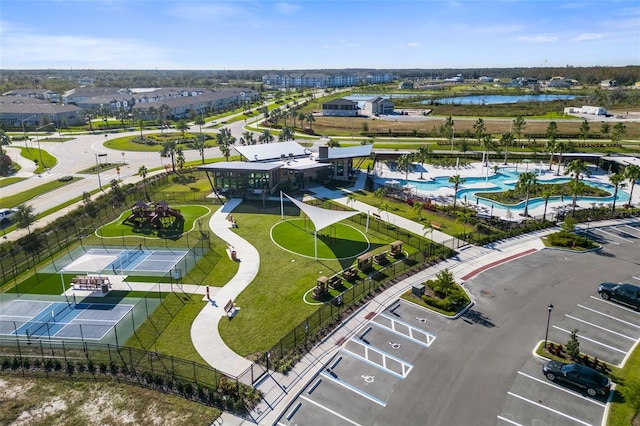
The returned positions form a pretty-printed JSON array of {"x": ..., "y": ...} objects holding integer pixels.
[
  {"x": 199, "y": 121},
  {"x": 488, "y": 144},
  {"x": 619, "y": 130},
  {"x": 380, "y": 192},
  {"x": 506, "y": 139},
  {"x": 384, "y": 207},
  {"x": 182, "y": 126},
  {"x": 605, "y": 128},
  {"x": 632, "y": 172},
  {"x": 351, "y": 199},
  {"x": 142, "y": 171},
  {"x": 163, "y": 111},
  {"x": 616, "y": 179},
  {"x": 478, "y": 130},
  {"x": 4, "y": 139},
  {"x": 551, "y": 148},
  {"x": 552, "y": 131},
  {"x": 25, "y": 217},
  {"x": 417, "y": 207},
  {"x": 200, "y": 145},
  {"x": 518, "y": 125},
  {"x": 247, "y": 138},
  {"x": 180, "y": 160},
  {"x": 265, "y": 136},
  {"x": 404, "y": 164},
  {"x": 546, "y": 194},
  {"x": 448, "y": 128},
  {"x": 573, "y": 346},
  {"x": 171, "y": 149},
  {"x": 527, "y": 182},
  {"x": 89, "y": 114},
  {"x": 456, "y": 180},
  {"x": 584, "y": 130},
  {"x": 301, "y": 117},
  {"x": 286, "y": 134},
  {"x": 422, "y": 154},
  {"x": 575, "y": 169},
  {"x": 463, "y": 216},
  {"x": 310, "y": 119}
]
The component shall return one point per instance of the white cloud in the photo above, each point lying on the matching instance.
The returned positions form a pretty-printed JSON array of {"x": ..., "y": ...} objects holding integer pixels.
[
  {"x": 413, "y": 44},
  {"x": 287, "y": 8},
  {"x": 587, "y": 36},
  {"x": 538, "y": 39}
]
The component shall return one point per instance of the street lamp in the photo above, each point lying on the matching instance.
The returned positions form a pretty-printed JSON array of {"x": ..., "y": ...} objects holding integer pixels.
[
  {"x": 98, "y": 166},
  {"x": 123, "y": 162},
  {"x": 546, "y": 335},
  {"x": 453, "y": 134},
  {"x": 588, "y": 224},
  {"x": 24, "y": 130}
]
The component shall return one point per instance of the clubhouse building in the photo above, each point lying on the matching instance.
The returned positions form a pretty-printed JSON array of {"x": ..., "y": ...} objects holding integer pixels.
[{"x": 267, "y": 168}]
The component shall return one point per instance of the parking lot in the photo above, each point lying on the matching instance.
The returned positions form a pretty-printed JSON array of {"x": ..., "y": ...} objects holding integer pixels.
[{"x": 409, "y": 366}]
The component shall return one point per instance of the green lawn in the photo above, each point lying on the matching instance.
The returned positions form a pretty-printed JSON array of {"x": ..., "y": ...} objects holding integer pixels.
[
  {"x": 275, "y": 298},
  {"x": 338, "y": 241},
  {"x": 119, "y": 228},
  {"x": 23, "y": 197},
  {"x": 43, "y": 157},
  {"x": 10, "y": 181}
]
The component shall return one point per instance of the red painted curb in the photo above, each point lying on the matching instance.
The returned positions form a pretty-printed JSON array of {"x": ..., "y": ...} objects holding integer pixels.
[{"x": 497, "y": 262}]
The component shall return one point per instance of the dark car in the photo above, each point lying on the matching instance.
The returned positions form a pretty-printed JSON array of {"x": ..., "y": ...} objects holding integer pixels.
[
  {"x": 628, "y": 294},
  {"x": 579, "y": 376}
]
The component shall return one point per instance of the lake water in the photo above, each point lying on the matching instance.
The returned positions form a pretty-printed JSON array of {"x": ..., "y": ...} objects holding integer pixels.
[{"x": 498, "y": 99}]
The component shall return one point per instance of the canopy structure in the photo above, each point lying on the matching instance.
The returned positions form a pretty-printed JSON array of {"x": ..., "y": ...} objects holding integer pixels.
[{"x": 321, "y": 218}]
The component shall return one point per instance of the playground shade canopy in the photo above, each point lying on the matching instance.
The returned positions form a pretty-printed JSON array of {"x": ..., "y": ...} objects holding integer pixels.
[{"x": 321, "y": 218}]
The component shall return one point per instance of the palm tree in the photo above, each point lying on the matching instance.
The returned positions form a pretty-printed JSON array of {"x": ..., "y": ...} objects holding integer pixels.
[
  {"x": 200, "y": 145},
  {"x": 247, "y": 138},
  {"x": 428, "y": 227},
  {"x": 506, "y": 139},
  {"x": 616, "y": 179},
  {"x": 576, "y": 168},
  {"x": 575, "y": 188},
  {"x": 301, "y": 117},
  {"x": 4, "y": 139},
  {"x": 225, "y": 150},
  {"x": 417, "y": 207},
  {"x": 465, "y": 217},
  {"x": 527, "y": 182},
  {"x": 25, "y": 216},
  {"x": 351, "y": 199},
  {"x": 488, "y": 145},
  {"x": 518, "y": 125},
  {"x": 310, "y": 119},
  {"x": 286, "y": 134},
  {"x": 456, "y": 180},
  {"x": 551, "y": 147},
  {"x": 266, "y": 136},
  {"x": 632, "y": 172},
  {"x": 422, "y": 154},
  {"x": 552, "y": 131},
  {"x": 182, "y": 126},
  {"x": 584, "y": 130},
  {"x": 163, "y": 110},
  {"x": 171, "y": 149},
  {"x": 619, "y": 130},
  {"x": 142, "y": 171},
  {"x": 561, "y": 148},
  {"x": 384, "y": 207},
  {"x": 199, "y": 121},
  {"x": 546, "y": 194},
  {"x": 380, "y": 192},
  {"x": 404, "y": 164},
  {"x": 478, "y": 130},
  {"x": 180, "y": 160}
]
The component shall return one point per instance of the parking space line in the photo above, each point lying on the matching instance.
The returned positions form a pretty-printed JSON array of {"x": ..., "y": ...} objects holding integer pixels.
[
  {"x": 509, "y": 421},
  {"x": 614, "y": 235},
  {"x": 634, "y": 229},
  {"x": 335, "y": 413},
  {"x": 617, "y": 305},
  {"x": 560, "y": 413},
  {"x": 430, "y": 337},
  {"x": 548, "y": 383},
  {"x": 636, "y": 278},
  {"x": 591, "y": 340},
  {"x": 371, "y": 363},
  {"x": 625, "y": 232},
  {"x": 352, "y": 388},
  {"x": 386, "y": 355},
  {"x": 609, "y": 316},
  {"x": 633, "y": 339}
]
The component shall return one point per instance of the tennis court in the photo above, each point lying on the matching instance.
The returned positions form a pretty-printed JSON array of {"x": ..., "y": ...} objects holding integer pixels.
[
  {"x": 62, "y": 320},
  {"x": 127, "y": 261}
]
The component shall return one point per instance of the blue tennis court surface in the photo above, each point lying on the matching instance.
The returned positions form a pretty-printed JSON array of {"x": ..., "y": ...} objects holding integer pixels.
[
  {"x": 39, "y": 319},
  {"x": 127, "y": 261}
]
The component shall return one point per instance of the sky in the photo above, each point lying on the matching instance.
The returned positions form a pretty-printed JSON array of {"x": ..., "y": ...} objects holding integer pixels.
[{"x": 310, "y": 34}]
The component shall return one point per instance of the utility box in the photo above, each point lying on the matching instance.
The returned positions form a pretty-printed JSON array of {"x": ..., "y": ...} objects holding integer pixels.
[{"x": 418, "y": 290}]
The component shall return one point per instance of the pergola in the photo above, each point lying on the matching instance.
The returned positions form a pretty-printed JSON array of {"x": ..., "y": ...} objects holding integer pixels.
[{"x": 321, "y": 218}]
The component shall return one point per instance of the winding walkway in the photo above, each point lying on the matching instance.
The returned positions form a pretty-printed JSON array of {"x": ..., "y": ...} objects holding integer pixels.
[{"x": 204, "y": 330}]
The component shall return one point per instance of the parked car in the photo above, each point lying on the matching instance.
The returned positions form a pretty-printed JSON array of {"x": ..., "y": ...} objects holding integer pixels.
[
  {"x": 579, "y": 376},
  {"x": 6, "y": 215},
  {"x": 628, "y": 294}
]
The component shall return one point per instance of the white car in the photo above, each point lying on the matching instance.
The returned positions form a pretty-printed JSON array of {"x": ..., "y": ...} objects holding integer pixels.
[{"x": 7, "y": 214}]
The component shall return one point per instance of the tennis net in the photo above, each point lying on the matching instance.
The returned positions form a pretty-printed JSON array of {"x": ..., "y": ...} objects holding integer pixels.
[{"x": 55, "y": 313}]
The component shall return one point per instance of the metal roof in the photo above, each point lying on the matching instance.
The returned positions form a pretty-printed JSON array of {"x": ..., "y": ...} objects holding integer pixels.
[
  {"x": 271, "y": 151},
  {"x": 241, "y": 166},
  {"x": 347, "y": 152}
]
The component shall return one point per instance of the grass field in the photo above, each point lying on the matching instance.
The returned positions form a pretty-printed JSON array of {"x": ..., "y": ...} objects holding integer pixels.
[{"x": 23, "y": 197}]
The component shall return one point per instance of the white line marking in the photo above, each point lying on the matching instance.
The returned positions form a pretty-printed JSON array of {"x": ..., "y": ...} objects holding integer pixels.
[
  {"x": 509, "y": 421},
  {"x": 633, "y": 339},
  {"x": 353, "y": 389},
  {"x": 413, "y": 339},
  {"x": 609, "y": 316},
  {"x": 335, "y": 413},
  {"x": 537, "y": 404},
  {"x": 549, "y": 383},
  {"x": 617, "y": 305},
  {"x": 635, "y": 278},
  {"x": 616, "y": 236},
  {"x": 371, "y": 363},
  {"x": 591, "y": 340},
  {"x": 385, "y": 356}
]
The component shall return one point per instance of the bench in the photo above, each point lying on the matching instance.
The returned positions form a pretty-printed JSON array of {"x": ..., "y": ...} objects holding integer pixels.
[
  {"x": 231, "y": 309},
  {"x": 90, "y": 283},
  {"x": 381, "y": 259},
  {"x": 376, "y": 215},
  {"x": 335, "y": 281},
  {"x": 350, "y": 274},
  {"x": 436, "y": 225}
]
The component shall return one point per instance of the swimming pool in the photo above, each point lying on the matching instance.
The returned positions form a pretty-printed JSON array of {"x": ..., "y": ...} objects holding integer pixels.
[{"x": 504, "y": 180}]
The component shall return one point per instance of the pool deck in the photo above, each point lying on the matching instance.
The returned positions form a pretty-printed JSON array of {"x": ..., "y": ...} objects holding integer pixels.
[{"x": 477, "y": 170}]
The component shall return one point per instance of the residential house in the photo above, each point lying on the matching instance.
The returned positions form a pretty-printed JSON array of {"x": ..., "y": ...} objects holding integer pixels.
[
  {"x": 44, "y": 94},
  {"x": 340, "y": 108},
  {"x": 25, "y": 112},
  {"x": 378, "y": 106}
]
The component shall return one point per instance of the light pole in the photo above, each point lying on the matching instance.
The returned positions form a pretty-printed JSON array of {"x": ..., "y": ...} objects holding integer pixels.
[
  {"x": 123, "y": 162},
  {"x": 546, "y": 335},
  {"x": 24, "y": 130},
  {"x": 588, "y": 225},
  {"x": 98, "y": 167},
  {"x": 453, "y": 134}
]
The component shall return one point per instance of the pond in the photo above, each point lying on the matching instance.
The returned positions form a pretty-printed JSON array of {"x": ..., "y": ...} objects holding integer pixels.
[{"x": 498, "y": 99}]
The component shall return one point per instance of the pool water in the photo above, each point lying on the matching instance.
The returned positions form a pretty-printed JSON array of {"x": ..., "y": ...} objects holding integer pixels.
[{"x": 473, "y": 187}]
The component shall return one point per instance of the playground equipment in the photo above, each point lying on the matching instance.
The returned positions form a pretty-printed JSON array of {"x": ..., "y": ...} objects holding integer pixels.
[{"x": 158, "y": 214}]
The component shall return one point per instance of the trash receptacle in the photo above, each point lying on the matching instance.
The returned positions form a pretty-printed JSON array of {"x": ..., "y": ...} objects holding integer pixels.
[{"x": 233, "y": 254}]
